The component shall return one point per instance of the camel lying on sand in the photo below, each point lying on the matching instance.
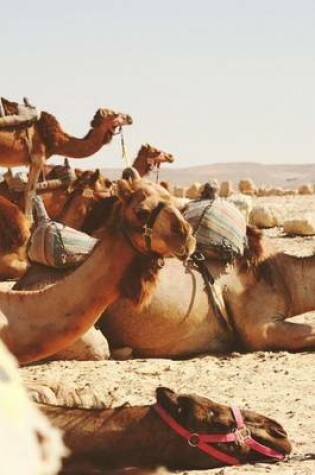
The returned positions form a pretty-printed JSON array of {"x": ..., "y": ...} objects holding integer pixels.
[
  {"x": 29, "y": 443},
  {"x": 143, "y": 226},
  {"x": 14, "y": 234},
  {"x": 179, "y": 431},
  {"x": 247, "y": 309},
  {"x": 34, "y": 144},
  {"x": 178, "y": 318}
]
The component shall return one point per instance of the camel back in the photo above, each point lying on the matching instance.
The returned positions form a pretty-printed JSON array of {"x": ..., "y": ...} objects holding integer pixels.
[{"x": 219, "y": 227}]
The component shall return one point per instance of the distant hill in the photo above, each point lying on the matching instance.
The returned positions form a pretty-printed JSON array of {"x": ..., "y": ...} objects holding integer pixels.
[{"x": 286, "y": 176}]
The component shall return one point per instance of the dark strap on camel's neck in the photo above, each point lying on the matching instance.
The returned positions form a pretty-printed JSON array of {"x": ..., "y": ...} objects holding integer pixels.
[{"x": 199, "y": 262}]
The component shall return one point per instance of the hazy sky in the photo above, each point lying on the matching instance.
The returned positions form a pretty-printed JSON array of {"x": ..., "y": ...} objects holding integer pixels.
[{"x": 207, "y": 80}]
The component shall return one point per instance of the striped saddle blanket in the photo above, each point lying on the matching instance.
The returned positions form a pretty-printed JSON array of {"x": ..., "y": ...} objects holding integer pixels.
[
  {"x": 218, "y": 226},
  {"x": 55, "y": 245}
]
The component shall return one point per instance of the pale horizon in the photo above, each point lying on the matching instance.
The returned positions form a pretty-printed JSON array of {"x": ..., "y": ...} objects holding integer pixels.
[{"x": 211, "y": 82}]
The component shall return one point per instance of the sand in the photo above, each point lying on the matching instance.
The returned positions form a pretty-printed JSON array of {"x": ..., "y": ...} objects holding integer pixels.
[{"x": 278, "y": 384}]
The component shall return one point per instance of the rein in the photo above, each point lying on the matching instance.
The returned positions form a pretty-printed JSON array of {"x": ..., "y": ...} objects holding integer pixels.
[{"x": 241, "y": 436}]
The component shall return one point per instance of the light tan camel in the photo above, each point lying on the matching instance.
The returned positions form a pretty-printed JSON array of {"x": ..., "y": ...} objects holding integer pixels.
[
  {"x": 142, "y": 227},
  {"x": 138, "y": 436},
  {"x": 251, "y": 309},
  {"x": 29, "y": 443},
  {"x": 14, "y": 234},
  {"x": 33, "y": 145}
]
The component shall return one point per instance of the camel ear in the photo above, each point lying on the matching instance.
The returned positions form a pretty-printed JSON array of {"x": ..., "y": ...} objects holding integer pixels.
[
  {"x": 96, "y": 175},
  {"x": 166, "y": 397},
  {"x": 123, "y": 190}
]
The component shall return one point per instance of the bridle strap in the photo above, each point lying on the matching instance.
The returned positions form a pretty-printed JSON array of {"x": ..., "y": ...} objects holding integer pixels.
[
  {"x": 193, "y": 439},
  {"x": 148, "y": 227},
  {"x": 252, "y": 443},
  {"x": 240, "y": 436}
]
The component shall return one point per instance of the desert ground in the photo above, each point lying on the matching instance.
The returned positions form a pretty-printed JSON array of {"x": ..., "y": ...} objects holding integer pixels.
[{"x": 278, "y": 384}]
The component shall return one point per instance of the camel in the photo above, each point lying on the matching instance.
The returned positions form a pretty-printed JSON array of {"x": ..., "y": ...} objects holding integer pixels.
[
  {"x": 149, "y": 158},
  {"x": 157, "y": 435},
  {"x": 247, "y": 308},
  {"x": 143, "y": 226},
  {"x": 29, "y": 443},
  {"x": 14, "y": 235},
  {"x": 34, "y": 144}
]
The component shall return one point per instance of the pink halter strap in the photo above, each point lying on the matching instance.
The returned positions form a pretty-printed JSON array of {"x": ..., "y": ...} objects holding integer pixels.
[{"x": 241, "y": 436}]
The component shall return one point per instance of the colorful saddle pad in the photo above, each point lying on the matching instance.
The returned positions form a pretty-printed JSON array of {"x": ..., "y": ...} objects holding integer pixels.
[
  {"x": 55, "y": 245},
  {"x": 218, "y": 226}
]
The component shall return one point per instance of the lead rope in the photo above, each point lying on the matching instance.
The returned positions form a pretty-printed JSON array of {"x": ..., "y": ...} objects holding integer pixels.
[{"x": 124, "y": 154}]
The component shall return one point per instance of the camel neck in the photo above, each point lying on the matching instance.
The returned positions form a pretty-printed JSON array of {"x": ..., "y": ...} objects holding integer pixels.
[
  {"x": 140, "y": 164},
  {"x": 74, "y": 147},
  {"x": 121, "y": 437},
  {"x": 39, "y": 323}
]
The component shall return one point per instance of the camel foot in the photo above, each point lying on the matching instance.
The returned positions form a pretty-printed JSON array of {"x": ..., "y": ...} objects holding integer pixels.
[{"x": 121, "y": 354}]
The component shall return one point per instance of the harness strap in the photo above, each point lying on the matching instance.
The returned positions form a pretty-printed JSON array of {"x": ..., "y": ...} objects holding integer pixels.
[
  {"x": 241, "y": 435},
  {"x": 148, "y": 227}
]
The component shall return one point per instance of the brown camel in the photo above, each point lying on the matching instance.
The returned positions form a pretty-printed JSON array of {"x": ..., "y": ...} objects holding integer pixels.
[
  {"x": 34, "y": 144},
  {"x": 14, "y": 234},
  {"x": 157, "y": 435},
  {"x": 247, "y": 309},
  {"x": 148, "y": 158},
  {"x": 142, "y": 227}
]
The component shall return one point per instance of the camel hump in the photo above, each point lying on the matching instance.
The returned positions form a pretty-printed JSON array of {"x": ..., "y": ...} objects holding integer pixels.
[{"x": 13, "y": 114}]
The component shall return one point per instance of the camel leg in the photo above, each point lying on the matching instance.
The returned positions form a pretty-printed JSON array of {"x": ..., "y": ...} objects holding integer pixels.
[
  {"x": 285, "y": 336},
  {"x": 30, "y": 189}
]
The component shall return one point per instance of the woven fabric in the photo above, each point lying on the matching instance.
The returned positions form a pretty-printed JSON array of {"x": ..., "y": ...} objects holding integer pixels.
[
  {"x": 217, "y": 225},
  {"x": 56, "y": 245}
]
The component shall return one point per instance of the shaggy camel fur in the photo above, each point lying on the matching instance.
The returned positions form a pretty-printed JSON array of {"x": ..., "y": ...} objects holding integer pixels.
[
  {"x": 29, "y": 444},
  {"x": 37, "y": 324},
  {"x": 33, "y": 145},
  {"x": 138, "y": 436},
  {"x": 252, "y": 305},
  {"x": 14, "y": 234}
]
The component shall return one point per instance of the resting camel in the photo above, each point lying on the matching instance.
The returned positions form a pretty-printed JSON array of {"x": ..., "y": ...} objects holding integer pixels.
[
  {"x": 34, "y": 144},
  {"x": 247, "y": 309},
  {"x": 179, "y": 431},
  {"x": 14, "y": 234},
  {"x": 29, "y": 443},
  {"x": 142, "y": 227}
]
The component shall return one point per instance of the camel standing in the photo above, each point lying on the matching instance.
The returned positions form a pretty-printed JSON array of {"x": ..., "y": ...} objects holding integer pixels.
[
  {"x": 142, "y": 227},
  {"x": 34, "y": 144},
  {"x": 156, "y": 435}
]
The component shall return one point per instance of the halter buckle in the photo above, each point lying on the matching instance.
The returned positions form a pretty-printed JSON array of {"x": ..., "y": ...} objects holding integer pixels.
[
  {"x": 242, "y": 435},
  {"x": 194, "y": 440},
  {"x": 147, "y": 231}
]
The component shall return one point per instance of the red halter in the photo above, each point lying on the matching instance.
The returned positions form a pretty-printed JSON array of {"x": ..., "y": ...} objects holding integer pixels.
[{"x": 241, "y": 435}]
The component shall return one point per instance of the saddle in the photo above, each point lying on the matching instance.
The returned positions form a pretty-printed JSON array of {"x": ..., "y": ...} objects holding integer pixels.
[
  {"x": 55, "y": 245},
  {"x": 24, "y": 114}
]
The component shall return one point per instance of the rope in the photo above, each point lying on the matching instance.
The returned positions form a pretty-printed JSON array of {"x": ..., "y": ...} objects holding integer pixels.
[{"x": 124, "y": 154}]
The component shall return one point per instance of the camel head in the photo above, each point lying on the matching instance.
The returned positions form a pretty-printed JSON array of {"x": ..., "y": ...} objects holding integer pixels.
[
  {"x": 110, "y": 121},
  {"x": 201, "y": 417},
  {"x": 151, "y": 221},
  {"x": 91, "y": 180},
  {"x": 154, "y": 157}
]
